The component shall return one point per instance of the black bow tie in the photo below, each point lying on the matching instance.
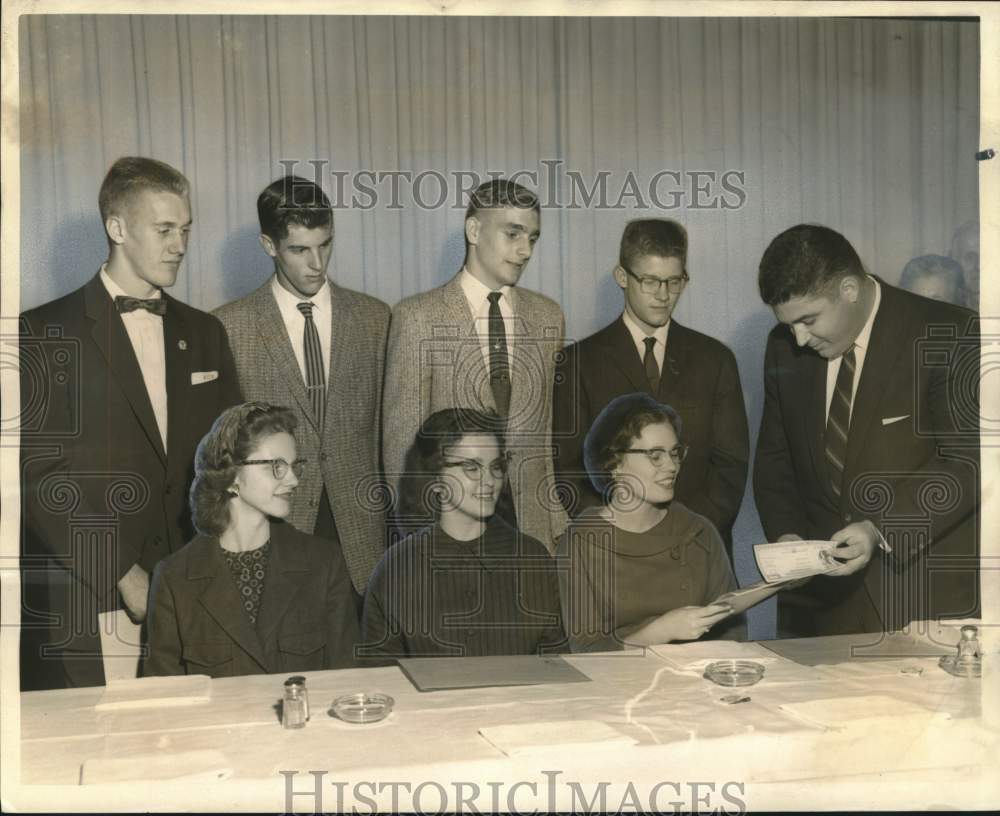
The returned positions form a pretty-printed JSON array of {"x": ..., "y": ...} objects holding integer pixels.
[{"x": 126, "y": 304}]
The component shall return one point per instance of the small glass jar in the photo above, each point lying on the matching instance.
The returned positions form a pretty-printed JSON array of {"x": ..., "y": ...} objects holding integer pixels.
[
  {"x": 300, "y": 681},
  {"x": 293, "y": 707}
]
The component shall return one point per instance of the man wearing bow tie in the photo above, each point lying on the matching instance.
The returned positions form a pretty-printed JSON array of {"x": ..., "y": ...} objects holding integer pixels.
[
  {"x": 119, "y": 383},
  {"x": 645, "y": 350},
  {"x": 869, "y": 438}
]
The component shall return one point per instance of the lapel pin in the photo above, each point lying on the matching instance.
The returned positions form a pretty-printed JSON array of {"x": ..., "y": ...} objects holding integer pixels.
[{"x": 182, "y": 345}]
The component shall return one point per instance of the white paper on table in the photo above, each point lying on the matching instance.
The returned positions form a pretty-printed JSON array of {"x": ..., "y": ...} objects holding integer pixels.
[
  {"x": 187, "y": 766},
  {"x": 791, "y": 560},
  {"x": 695, "y": 656},
  {"x": 538, "y": 737},
  {"x": 156, "y": 692},
  {"x": 840, "y": 712},
  {"x": 121, "y": 641}
]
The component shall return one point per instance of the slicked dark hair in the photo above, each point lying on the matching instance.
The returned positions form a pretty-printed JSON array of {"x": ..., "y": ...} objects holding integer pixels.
[
  {"x": 652, "y": 236},
  {"x": 804, "y": 261},
  {"x": 500, "y": 193},
  {"x": 425, "y": 458},
  {"x": 131, "y": 175},
  {"x": 292, "y": 200},
  {"x": 233, "y": 437}
]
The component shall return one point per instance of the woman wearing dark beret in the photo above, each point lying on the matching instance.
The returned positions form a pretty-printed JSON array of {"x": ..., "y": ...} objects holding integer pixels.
[
  {"x": 250, "y": 594},
  {"x": 467, "y": 584},
  {"x": 643, "y": 569}
]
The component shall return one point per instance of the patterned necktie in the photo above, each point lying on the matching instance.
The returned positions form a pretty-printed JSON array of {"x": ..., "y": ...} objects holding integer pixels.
[
  {"x": 649, "y": 363},
  {"x": 125, "y": 304},
  {"x": 315, "y": 379},
  {"x": 499, "y": 365},
  {"x": 838, "y": 423}
]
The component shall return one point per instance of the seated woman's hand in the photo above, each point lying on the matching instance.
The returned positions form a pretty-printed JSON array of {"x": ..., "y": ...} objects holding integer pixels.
[{"x": 689, "y": 622}]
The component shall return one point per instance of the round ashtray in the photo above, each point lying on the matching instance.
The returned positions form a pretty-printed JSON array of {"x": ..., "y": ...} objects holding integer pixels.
[
  {"x": 362, "y": 707},
  {"x": 968, "y": 668},
  {"x": 734, "y": 672}
]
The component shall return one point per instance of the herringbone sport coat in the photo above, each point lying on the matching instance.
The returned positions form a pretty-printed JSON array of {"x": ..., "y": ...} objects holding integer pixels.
[
  {"x": 343, "y": 455},
  {"x": 435, "y": 361}
]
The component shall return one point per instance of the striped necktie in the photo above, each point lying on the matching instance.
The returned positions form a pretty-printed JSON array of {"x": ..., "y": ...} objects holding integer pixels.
[
  {"x": 838, "y": 423},
  {"x": 315, "y": 378}
]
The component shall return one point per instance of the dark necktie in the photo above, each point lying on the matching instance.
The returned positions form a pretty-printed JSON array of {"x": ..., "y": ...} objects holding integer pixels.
[
  {"x": 315, "y": 379},
  {"x": 125, "y": 304},
  {"x": 499, "y": 365},
  {"x": 838, "y": 423},
  {"x": 649, "y": 363}
]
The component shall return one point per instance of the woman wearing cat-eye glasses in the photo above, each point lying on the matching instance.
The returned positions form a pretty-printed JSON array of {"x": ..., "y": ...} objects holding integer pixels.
[{"x": 250, "y": 594}]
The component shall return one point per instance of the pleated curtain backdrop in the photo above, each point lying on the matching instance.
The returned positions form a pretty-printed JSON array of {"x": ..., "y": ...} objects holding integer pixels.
[{"x": 865, "y": 125}]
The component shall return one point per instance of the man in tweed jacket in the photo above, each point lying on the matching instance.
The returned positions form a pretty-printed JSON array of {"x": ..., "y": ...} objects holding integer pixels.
[
  {"x": 443, "y": 353},
  {"x": 338, "y": 497}
]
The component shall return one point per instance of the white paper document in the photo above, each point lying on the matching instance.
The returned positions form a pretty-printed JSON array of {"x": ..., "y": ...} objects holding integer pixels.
[
  {"x": 540, "y": 737},
  {"x": 791, "y": 560}
]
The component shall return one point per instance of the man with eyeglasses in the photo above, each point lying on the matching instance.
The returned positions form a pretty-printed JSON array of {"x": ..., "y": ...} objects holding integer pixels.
[{"x": 645, "y": 350}]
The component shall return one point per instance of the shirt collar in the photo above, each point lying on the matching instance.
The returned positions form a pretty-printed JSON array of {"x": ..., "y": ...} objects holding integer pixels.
[
  {"x": 639, "y": 336},
  {"x": 116, "y": 291},
  {"x": 864, "y": 337},
  {"x": 477, "y": 292},
  {"x": 289, "y": 301}
]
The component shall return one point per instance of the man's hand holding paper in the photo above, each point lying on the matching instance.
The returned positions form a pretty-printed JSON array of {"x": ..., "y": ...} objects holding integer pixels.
[{"x": 793, "y": 559}]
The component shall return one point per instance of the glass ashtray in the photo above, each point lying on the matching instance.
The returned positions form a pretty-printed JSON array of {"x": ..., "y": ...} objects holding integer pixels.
[
  {"x": 734, "y": 672},
  {"x": 968, "y": 668},
  {"x": 362, "y": 707}
]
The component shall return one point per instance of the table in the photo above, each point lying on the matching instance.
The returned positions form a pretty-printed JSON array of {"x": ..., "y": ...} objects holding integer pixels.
[{"x": 690, "y": 746}]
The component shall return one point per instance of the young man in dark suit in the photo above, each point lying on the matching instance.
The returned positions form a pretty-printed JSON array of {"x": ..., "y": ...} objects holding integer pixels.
[
  {"x": 869, "y": 438},
  {"x": 119, "y": 383},
  {"x": 304, "y": 342},
  {"x": 645, "y": 350}
]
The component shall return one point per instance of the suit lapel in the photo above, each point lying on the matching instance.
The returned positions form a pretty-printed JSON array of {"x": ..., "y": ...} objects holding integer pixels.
[
  {"x": 671, "y": 380},
  {"x": 814, "y": 416},
  {"x": 221, "y": 599},
  {"x": 286, "y": 570},
  {"x": 470, "y": 368},
  {"x": 523, "y": 326},
  {"x": 343, "y": 338},
  {"x": 626, "y": 357},
  {"x": 274, "y": 337},
  {"x": 175, "y": 353},
  {"x": 881, "y": 357},
  {"x": 111, "y": 338}
]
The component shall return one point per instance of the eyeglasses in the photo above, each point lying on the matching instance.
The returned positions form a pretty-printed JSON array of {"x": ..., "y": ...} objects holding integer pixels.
[
  {"x": 658, "y": 456},
  {"x": 279, "y": 467},
  {"x": 651, "y": 286},
  {"x": 474, "y": 469}
]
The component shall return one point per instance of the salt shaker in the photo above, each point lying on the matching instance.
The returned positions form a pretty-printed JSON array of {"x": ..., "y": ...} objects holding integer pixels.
[
  {"x": 293, "y": 707},
  {"x": 299, "y": 680},
  {"x": 968, "y": 660}
]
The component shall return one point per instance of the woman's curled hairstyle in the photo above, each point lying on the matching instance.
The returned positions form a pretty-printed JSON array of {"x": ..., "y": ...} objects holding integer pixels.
[{"x": 233, "y": 437}]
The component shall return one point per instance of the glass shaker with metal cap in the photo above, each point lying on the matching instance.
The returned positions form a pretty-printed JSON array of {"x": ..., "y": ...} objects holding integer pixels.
[
  {"x": 293, "y": 706},
  {"x": 300, "y": 681}
]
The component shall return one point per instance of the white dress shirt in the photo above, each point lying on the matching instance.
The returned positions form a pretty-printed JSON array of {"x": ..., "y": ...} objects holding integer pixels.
[
  {"x": 639, "y": 338},
  {"x": 145, "y": 331},
  {"x": 295, "y": 322},
  {"x": 860, "y": 349},
  {"x": 477, "y": 294}
]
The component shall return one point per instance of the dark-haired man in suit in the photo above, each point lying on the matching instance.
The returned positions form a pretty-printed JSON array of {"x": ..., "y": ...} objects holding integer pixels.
[
  {"x": 304, "y": 342},
  {"x": 645, "y": 350},
  {"x": 868, "y": 439},
  {"x": 119, "y": 383}
]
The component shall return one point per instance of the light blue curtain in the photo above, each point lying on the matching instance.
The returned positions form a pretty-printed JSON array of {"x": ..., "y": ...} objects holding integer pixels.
[{"x": 869, "y": 126}]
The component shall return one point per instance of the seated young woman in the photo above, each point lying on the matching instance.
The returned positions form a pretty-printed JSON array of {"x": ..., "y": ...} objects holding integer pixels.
[
  {"x": 642, "y": 569},
  {"x": 250, "y": 594},
  {"x": 468, "y": 584}
]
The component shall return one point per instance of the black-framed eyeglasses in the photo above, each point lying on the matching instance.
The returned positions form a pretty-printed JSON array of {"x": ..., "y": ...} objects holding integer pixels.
[
  {"x": 279, "y": 467},
  {"x": 651, "y": 286},
  {"x": 658, "y": 456},
  {"x": 474, "y": 469}
]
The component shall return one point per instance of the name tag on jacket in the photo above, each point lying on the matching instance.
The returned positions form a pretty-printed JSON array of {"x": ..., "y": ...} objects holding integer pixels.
[{"x": 199, "y": 377}]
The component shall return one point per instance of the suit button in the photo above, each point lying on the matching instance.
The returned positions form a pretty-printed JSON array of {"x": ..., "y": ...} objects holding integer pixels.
[{"x": 167, "y": 490}]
